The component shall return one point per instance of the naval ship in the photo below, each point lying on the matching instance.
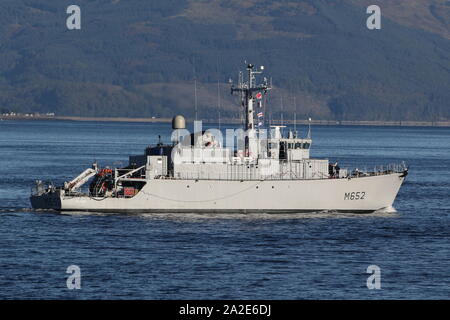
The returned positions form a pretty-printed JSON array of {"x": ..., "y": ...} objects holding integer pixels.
[{"x": 268, "y": 171}]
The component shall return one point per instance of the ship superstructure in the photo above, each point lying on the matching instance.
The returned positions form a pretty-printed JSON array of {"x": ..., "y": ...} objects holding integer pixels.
[{"x": 258, "y": 170}]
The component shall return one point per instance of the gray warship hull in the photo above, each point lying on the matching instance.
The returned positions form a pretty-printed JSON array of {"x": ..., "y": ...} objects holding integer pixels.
[
  {"x": 358, "y": 195},
  {"x": 265, "y": 171}
]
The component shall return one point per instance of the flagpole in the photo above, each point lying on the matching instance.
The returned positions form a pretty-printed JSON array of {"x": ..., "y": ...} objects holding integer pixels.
[
  {"x": 195, "y": 91},
  {"x": 309, "y": 128},
  {"x": 218, "y": 92},
  {"x": 295, "y": 116}
]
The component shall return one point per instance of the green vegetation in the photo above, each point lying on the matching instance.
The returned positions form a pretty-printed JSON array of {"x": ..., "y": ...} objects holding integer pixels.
[{"x": 137, "y": 58}]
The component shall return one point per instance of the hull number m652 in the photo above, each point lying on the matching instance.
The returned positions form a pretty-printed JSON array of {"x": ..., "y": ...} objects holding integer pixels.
[{"x": 360, "y": 195}]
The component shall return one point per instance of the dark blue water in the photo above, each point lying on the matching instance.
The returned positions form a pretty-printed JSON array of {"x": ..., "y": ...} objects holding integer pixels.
[{"x": 257, "y": 256}]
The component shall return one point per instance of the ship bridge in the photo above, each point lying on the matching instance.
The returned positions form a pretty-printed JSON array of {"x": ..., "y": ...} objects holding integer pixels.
[{"x": 259, "y": 155}]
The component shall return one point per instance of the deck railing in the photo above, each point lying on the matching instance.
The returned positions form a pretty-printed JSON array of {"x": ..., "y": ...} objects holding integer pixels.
[{"x": 239, "y": 173}]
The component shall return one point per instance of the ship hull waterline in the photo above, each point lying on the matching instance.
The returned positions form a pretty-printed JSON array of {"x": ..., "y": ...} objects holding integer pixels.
[{"x": 357, "y": 195}]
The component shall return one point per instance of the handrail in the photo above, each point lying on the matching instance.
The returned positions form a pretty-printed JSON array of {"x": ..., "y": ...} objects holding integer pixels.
[
  {"x": 128, "y": 173},
  {"x": 249, "y": 175}
]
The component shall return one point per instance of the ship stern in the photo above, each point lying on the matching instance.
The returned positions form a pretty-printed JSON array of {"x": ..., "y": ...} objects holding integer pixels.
[{"x": 45, "y": 198}]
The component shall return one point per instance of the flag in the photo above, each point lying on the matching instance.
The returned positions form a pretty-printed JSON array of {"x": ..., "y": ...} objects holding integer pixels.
[
  {"x": 260, "y": 124},
  {"x": 258, "y": 96},
  {"x": 260, "y": 104},
  {"x": 260, "y": 115}
]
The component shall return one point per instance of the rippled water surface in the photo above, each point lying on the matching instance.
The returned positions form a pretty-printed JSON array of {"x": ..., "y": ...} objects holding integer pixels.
[{"x": 202, "y": 256}]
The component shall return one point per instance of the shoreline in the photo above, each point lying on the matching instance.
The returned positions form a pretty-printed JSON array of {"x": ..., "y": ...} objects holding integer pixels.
[{"x": 236, "y": 121}]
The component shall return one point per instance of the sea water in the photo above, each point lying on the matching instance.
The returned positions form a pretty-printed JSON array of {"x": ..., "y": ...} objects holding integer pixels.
[{"x": 222, "y": 256}]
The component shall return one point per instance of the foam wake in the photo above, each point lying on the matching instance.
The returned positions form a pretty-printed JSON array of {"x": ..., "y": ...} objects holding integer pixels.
[{"x": 390, "y": 209}]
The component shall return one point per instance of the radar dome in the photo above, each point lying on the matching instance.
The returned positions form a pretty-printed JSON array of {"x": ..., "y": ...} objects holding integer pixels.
[{"x": 178, "y": 122}]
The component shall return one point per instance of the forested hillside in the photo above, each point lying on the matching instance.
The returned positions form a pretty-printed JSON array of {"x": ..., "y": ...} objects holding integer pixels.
[{"x": 138, "y": 58}]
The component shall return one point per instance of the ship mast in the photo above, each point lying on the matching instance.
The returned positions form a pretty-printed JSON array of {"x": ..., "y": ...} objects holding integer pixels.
[
  {"x": 250, "y": 92},
  {"x": 247, "y": 90}
]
